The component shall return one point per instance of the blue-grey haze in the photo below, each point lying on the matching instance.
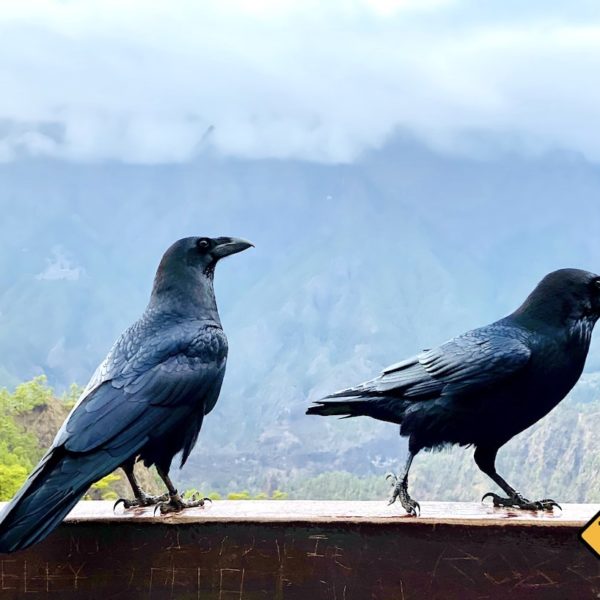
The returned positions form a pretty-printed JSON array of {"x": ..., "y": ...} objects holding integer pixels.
[{"x": 356, "y": 266}]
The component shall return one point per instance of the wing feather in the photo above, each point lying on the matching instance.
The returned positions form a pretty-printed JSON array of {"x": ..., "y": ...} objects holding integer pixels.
[
  {"x": 480, "y": 358},
  {"x": 138, "y": 403}
]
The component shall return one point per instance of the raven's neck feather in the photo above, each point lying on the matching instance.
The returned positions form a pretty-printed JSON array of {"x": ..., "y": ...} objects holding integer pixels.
[
  {"x": 575, "y": 330},
  {"x": 580, "y": 332},
  {"x": 553, "y": 310},
  {"x": 185, "y": 296}
]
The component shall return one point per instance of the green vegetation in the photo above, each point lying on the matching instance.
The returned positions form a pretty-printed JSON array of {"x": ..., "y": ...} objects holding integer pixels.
[
  {"x": 29, "y": 418},
  {"x": 192, "y": 492},
  {"x": 19, "y": 449},
  {"x": 558, "y": 457},
  {"x": 245, "y": 495},
  {"x": 103, "y": 489},
  {"x": 31, "y": 415},
  {"x": 70, "y": 398}
]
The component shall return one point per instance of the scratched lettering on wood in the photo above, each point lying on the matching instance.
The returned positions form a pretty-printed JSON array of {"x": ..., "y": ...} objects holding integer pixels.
[{"x": 314, "y": 561}]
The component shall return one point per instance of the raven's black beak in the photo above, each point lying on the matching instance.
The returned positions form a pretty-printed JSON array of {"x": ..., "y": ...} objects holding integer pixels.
[{"x": 226, "y": 246}]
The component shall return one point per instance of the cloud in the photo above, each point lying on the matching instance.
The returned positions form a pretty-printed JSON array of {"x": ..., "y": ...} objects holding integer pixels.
[{"x": 162, "y": 81}]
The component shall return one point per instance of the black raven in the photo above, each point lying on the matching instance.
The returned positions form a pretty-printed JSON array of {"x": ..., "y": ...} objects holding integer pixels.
[
  {"x": 146, "y": 401},
  {"x": 487, "y": 385}
]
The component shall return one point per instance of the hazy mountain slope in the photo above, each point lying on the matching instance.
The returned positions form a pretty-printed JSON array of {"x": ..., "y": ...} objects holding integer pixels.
[
  {"x": 355, "y": 267},
  {"x": 557, "y": 457}
]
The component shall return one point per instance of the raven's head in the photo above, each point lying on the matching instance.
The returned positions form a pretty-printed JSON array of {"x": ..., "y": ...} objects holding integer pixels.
[
  {"x": 204, "y": 253},
  {"x": 199, "y": 255},
  {"x": 564, "y": 296},
  {"x": 186, "y": 270}
]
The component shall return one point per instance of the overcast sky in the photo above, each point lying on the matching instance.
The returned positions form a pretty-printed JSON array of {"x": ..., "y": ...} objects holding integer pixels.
[{"x": 160, "y": 81}]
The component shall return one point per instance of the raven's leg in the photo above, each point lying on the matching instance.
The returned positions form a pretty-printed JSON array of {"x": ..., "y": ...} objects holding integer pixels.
[
  {"x": 141, "y": 498},
  {"x": 175, "y": 502},
  {"x": 400, "y": 488},
  {"x": 486, "y": 460}
]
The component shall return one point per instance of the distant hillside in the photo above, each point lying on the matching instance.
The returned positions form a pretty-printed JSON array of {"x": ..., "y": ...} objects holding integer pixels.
[
  {"x": 355, "y": 267},
  {"x": 31, "y": 416},
  {"x": 559, "y": 457}
]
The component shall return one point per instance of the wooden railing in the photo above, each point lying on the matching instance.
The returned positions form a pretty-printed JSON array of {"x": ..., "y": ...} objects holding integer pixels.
[{"x": 300, "y": 550}]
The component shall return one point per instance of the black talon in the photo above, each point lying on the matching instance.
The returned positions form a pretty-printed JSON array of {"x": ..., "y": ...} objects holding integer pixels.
[
  {"x": 140, "y": 501},
  {"x": 490, "y": 495},
  {"x": 549, "y": 504},
  {"x": 117, "y": 503},
  {"x": 176, "y": 504},
  {"x": 400, "y": 490},
  {"x": 519, "y": 502}
]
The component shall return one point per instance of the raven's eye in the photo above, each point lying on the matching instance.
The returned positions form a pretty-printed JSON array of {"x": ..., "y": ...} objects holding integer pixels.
[{"x": 203, "y": 244}]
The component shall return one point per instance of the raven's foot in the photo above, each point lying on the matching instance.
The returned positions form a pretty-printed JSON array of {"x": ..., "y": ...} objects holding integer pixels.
[
  {"x": 517, "y": 501},
  {"x": 143, "y": 500},
  {"x": 400, "y": 490},
  {"x": 176, "y": 504}
]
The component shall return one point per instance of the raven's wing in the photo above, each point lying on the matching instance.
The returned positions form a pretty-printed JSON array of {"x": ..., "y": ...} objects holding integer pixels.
[
  {"x": 143, "y": 391},
  {"x": 143, "y": 395},
  {"x": 480, "y": 358}
]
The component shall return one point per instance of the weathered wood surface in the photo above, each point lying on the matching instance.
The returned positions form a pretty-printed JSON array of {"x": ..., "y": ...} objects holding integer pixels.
[{"x": 289, "y": 550}]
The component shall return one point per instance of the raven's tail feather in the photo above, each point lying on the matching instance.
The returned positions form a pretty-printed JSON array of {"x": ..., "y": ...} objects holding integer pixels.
[
  {"x": 49, "y": 494},
  {"x": 360, "y": 400},
  {"x": 368, "y": 389},
  {"x": 379, "y": 408},
  {"x": 386, "y": 397},
  {"x": 342, "y": 408},
  {"x": 376, "y": 398}
]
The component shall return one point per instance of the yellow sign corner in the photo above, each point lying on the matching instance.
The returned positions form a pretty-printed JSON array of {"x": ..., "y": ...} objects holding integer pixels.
[{"x": 590, "y": 534}]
